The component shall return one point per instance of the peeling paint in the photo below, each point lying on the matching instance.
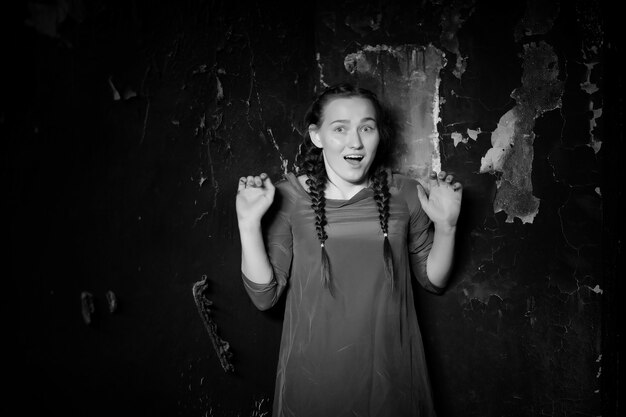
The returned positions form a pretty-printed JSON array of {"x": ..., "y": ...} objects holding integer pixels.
[
  {"x": 116, "y": 94},
  {"x": 597, "y": 290},
  {"x": 595, "y": 144},
  {"x": 452, "y": 19},
  {"x": 434, "y": 136},
  {"x": 320, "y": 67},
  {"x": 88, "y": 307},
  {"x": 460, "y": 67},
  {"x": 357, "y": 62},
  {"x": 512, "y": 152},
  {"x": 409, "y": 76},
  {"x": 502, "y": 140},
  {"x": 219, "y": 95},
  {"x": 283, "y": 161},
  {"x": 473, "y": 134},
  {"x": 590, "y": 88},
  {"x": 458, "y": 138},
  {"x": 587, "y": 86},
  {"x": 111, "y": 301},
  {"x": 204, "y": 308},
  {"x": 129, "y": 93}
]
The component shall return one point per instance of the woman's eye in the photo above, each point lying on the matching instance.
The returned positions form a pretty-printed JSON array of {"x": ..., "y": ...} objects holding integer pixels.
[
  {"x": 368, "y": 128},
  {"x": 339, "y": 129}
]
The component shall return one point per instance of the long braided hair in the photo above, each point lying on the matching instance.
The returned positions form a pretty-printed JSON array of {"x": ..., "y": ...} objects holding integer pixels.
[{"x": 310, "y": 162}]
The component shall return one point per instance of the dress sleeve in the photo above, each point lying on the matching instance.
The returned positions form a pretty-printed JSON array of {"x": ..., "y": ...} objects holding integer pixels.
[
  {"x": 420, "y": 237},
  {"x": 278, "y": 239}
]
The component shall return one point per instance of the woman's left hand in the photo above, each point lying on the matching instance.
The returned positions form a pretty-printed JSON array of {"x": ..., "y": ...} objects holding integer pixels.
[{"x": 440, "y": 196}]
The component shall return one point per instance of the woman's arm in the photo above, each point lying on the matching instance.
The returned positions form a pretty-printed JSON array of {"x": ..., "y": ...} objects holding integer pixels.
[
  {"x": 266, "y": 240},
  {"x": 255, "y": 264},
  {"x": 440, "y": 198},
  {"x": 440, "y": 258},
  {"x": 255, "y": 195}
]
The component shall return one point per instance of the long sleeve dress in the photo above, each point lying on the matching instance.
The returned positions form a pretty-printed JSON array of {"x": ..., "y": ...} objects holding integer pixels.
[{"x": 359, "y": 351}]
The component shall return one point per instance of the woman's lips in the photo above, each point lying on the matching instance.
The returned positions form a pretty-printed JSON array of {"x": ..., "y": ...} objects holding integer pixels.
[{"x": 353, "y": 159}]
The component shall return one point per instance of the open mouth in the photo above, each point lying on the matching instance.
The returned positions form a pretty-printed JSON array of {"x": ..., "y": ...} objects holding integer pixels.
[{"x": 353, "y": 158}]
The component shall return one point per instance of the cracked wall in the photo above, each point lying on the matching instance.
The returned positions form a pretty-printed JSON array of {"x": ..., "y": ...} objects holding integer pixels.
[{"x": 135, "y": 122}]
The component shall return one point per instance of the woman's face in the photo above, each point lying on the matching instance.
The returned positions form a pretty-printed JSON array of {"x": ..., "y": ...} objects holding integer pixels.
[{"x": 349, "y": 138}]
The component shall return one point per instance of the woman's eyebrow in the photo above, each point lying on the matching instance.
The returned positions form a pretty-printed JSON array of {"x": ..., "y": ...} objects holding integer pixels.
[{"x": 365, "y": 119}]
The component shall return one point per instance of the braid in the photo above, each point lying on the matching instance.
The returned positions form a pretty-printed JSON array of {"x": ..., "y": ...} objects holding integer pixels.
[
  {"x": 381, "y": 196},
  {"x": 310, "y": 162},
  {"x": 317, "y": 186}
]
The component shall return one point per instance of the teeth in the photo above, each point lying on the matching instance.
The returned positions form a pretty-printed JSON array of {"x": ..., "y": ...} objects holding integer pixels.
[{"x": 357, "y": 157}]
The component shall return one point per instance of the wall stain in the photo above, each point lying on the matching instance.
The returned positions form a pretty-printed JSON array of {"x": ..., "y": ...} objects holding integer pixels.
[{"x": 407, "y": 77}]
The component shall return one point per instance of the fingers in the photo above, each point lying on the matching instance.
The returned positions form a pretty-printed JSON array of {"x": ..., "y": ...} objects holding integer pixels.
[
  {"x": 254, "y": 181},
  {"x": 444, "y": 177},
  {"x": 432, "y": 181},
  {"x": 267, "y": 183}
]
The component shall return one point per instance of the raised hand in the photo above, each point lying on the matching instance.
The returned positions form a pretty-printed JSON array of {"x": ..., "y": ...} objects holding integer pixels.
[
  {"x": 441, "y": 198},
  {"x": 255, "y": 195}
]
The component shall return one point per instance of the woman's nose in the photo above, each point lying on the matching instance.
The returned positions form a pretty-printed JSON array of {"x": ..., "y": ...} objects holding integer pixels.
[{"x": 354, "y": 140}]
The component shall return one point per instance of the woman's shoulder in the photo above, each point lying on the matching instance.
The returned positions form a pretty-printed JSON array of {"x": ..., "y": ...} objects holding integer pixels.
[
  {"x": 405, "y": 187},
  {"x": 291, "y": 184},
  {"x": 402, "y": 182}
]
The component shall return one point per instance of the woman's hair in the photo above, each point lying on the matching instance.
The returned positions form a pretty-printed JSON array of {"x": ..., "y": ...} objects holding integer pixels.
[{"x": 310, "y": 161}]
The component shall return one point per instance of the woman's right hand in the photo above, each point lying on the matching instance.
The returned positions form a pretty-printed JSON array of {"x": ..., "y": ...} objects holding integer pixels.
[{"x": 255, "y": 195}]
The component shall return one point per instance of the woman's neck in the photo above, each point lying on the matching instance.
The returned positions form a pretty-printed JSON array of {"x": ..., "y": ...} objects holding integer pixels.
[
  {"x": 334, "y": 192},
  {"x": 343, "y": 190}
]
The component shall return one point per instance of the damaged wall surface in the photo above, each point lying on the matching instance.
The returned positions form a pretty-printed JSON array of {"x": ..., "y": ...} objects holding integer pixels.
[{"x": 134, "y": 122}]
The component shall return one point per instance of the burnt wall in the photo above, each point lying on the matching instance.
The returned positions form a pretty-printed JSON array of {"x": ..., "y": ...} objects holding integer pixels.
[{"x": 129, "y": 124}]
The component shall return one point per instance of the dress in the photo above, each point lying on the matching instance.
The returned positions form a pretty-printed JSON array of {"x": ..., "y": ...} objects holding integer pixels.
[{"x": 360, "y": 352}]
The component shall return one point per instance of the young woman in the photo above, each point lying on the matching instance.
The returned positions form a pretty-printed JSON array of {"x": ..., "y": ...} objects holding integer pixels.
[{"x": 341, "y": 238}]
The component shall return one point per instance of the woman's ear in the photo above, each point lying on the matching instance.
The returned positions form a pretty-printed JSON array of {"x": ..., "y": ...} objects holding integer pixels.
[{"x": 314, "y": 135}]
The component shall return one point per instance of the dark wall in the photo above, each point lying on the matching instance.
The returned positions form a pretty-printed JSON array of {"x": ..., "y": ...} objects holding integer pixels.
[{"x": 129, "y": 124}]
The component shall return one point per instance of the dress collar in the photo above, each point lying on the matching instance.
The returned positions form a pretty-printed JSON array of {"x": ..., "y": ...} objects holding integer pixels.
[{"x": 330, "y": 202}]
